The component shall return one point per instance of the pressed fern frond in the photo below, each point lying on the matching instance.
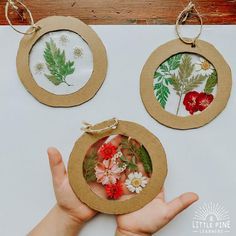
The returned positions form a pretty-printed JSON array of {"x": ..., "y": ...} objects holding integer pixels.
[
  {"x": 56, "y": 63},
  {"x": 185, "y": 81},
  {"x": 193, "y": 83},
  {"x": 186, "y": 68},
  {"x": 163, "y": 78}
]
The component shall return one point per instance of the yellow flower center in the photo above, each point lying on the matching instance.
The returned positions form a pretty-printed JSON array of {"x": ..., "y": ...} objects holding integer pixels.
[
  {"x": 136, "y": 182},
  {"x": 205, "y": 65}
]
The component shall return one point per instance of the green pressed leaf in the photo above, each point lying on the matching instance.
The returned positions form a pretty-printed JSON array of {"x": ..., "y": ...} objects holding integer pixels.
[
  {"x": 145, "y": 159},
  {"x": 130, "y": 164},
  {"x": 53, "y": 79},
  {"x": 162, "y": 93},
  {"x": 174, "y": 61},
  {"x": 184, "y": 81},
  {"x": 157, "y": 75},
  {"x": 88, "y": 167},
  {"x": 164, "y": 78},
  {"x": 123, "y": 158},
  {"x": 211, "y": 83},
  {"x": 176, "y": 83},
  {"x": 161, "y": 89},
  {"x": 193, "y": 83},
  {"x": 186, "y": 68},
  {"x": 164, "y": 67},
  {"x": 56, "y": 64}
]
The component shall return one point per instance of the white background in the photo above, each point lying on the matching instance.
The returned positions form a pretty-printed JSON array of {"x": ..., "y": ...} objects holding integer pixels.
[{"x": 201, "y": 160}]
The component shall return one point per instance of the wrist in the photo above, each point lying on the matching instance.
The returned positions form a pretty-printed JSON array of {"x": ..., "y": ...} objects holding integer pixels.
[
  {"x": 57, "y": 222},
  {"x": 69, "y": 221},
  {"x": 121, "y": 232}
]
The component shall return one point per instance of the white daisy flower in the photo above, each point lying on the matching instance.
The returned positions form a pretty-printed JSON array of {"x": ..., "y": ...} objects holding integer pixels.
[
  {"x": 136, "y": 182},
  {"x": 204, "y": 67}
]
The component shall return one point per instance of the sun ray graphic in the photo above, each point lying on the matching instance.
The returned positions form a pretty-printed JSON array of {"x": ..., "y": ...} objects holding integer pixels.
[{"x": 211, "y": 209}]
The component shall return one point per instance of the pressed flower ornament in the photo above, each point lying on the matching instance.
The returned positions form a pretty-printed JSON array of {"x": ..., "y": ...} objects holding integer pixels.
[
  {"x": 61, "y": 61},
  {"x": 186, "y": 82},
  {"x": 117, "y": 166}
]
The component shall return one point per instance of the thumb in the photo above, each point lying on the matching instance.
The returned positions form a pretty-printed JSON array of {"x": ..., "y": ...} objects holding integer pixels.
[
  {"x": 180, "y": 203},
  {"x": 57, "y": 166}
]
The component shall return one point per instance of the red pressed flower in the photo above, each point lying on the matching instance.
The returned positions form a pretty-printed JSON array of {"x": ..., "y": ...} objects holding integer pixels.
[
  {"x": 204, "y": 100},
  {"x": 190, "y": 102},
  {"x": 114, "y": 191},
  {"x": 107, "y": 150}
]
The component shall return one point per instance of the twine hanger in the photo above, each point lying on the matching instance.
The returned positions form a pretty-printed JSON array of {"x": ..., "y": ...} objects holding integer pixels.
[
  {"x": 190, "y": 9},
  {"x": 89, "y": 128},
  {"x": 12, "y": 4}
]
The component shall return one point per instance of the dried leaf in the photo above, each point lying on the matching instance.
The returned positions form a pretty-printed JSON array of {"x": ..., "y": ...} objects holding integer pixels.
[
  {"x": 145, "y": 159},
  {"x": 88, "y": 166},
  {"x": 56, "y": 64},
  {"x": 193, "y": 83},
  {"x": 211, "y": 83}
]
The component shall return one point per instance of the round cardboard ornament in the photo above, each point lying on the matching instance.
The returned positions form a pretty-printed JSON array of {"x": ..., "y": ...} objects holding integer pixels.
[
  {"x": 61, "y": 61},
  {"x": 185, "y": 83},
  {"x": 117, "y": 167}
]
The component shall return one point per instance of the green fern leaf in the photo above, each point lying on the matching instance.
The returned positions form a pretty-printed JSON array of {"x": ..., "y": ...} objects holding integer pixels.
[
  {"x": 174, "y": 61},
  {"x": 186, "y": 68},
  {"x": 164, "y": 77},
  {"x": 193, "y": 83},
  {"x": 56, "y": 64},
  {"x": 175, "y": 82},
  {"x": 162, "y": 92}
]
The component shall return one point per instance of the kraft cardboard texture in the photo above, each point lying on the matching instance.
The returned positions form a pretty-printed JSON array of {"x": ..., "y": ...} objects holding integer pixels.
[
  {"x": 82, "y": 189},
  {"x": 56, "y": 23},
  {"x": 167, "y": 50}
]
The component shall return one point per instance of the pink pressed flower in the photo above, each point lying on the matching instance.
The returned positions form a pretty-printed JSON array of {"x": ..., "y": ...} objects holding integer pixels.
[{"x": 107, "y": 172}]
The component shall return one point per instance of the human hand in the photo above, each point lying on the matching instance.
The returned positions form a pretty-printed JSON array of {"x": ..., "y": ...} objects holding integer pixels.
[
  {"x": 152, "y": 217},
  {"x": 69, "y": 214},
  {"x": 66, "y": 199}
]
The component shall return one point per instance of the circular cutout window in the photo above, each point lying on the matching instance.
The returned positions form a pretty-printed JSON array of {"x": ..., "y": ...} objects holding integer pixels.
[
  {"x": 117, "y": 167},
  {"x": 185, "y": 84},
  {"x": 61, "y": 62},
  {"x": 185, "y": 87}
]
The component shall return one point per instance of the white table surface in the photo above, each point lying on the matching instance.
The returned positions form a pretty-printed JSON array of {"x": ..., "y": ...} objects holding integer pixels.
[{"x": 201, "y": 160}]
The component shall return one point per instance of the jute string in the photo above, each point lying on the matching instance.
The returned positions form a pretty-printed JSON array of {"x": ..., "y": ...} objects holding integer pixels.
[
  {"x": 13, "y": 5},
  {"x": 89, "y": 128},
  {"x": 189, "y": 10}
]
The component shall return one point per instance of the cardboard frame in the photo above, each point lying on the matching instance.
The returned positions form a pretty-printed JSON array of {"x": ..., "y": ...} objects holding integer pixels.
[
  {"x": 161, "y": 54},
  {"x": 82, "y": 189},
  {"x": 56, "y": 23}
]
